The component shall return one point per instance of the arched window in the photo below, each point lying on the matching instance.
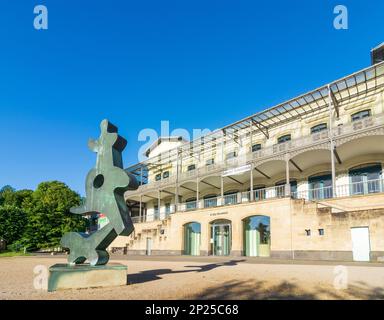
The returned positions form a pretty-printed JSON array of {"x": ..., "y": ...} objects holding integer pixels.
[
  {"x": 284, "y": 138},
  {"x": 192, "y": 238},
  {"x": 256, "y": 147},
  {"x": 257, "y": 236},
  {"x": 318, "y": 128},
  {"x": 361, "y": 115}
]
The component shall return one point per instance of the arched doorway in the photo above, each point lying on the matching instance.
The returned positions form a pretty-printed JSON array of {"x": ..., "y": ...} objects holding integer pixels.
[
  {"x": 257, "y": 236},
  {"x": 221, "y": 237},
  {"x": 192, "y": 239}
]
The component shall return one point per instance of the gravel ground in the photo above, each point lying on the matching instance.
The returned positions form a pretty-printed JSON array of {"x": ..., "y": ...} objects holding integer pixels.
[{"x": 195, "y": 279}]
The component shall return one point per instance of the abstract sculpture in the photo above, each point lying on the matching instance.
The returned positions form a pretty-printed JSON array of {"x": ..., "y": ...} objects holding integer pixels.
[{"x": 105, "y": 188}]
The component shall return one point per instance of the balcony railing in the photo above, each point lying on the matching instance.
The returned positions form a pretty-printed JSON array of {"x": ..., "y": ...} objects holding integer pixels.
[
  {"x": 233, "y": 199},
  {"x": 351, "y": 189},
  {"x": 346, "y": 190}
]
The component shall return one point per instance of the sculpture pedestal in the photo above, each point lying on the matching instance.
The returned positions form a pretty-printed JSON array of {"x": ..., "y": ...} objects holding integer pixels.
[{"x": 64, "y": 276}]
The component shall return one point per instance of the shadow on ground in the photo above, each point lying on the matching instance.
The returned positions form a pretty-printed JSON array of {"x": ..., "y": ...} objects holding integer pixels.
[
  {"x": 285, "y": 290},
  {"x": 152, "y": 275}
]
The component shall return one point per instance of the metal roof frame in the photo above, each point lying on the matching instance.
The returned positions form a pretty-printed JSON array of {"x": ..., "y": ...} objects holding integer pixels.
[{"x": 361, "y": 82}]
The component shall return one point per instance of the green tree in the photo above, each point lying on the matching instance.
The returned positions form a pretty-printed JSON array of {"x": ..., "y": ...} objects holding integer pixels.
[
  {"x": 5, "y": 192},
  {"x": 12, "y": 223},
  {"x": 48, "y": 215},
  {"x": 16, "y": 198}
]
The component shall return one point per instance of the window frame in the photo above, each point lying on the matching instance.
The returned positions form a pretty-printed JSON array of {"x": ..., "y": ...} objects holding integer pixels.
[
  {"x": 359, "y": 113},
  {"x": 166, "y": 174},
  {"x": 325, "y": 127},
  {"x": 253, "y": 147},
  {"x": 279, "y": 139}
]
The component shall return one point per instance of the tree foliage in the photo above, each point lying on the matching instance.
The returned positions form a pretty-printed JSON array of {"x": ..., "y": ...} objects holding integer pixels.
[
  {"x": 40, "y": 217},
  {"x": 12, "y": 223}
]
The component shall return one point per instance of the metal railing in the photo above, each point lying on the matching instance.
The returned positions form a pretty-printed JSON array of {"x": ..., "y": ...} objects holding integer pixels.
[
  {"x": 276, "y": 192},
  {"x": 233, "y": 199},
  {"x": 211, "y": 202},
  {"x": 345, "y": 190}
]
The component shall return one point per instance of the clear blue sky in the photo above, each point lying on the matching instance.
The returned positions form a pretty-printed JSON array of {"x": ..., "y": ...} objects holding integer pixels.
[{"x": 198, "y": 64}]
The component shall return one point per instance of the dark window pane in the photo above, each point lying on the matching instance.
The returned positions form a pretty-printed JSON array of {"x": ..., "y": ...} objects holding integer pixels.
[
  {"x": 319, "y": 127},
  {"x": 256, "y": 147},
  {"x": 283, "y": 139},
  {"x": 361, "y": 114}
]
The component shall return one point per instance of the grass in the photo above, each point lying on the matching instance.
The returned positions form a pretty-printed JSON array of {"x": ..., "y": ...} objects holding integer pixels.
[{"x": 12, "y": 254}]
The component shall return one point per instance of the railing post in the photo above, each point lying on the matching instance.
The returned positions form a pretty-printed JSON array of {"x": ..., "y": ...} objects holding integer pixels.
[
  {"x": 197, "y": 193},
  {"x": 288, "y": 182},
  {"x": 222, "y": 187},
  {"x": 332, "y": 145},
  {"x": 251, "y": 195},
  {"x": 140, "y": 208}
]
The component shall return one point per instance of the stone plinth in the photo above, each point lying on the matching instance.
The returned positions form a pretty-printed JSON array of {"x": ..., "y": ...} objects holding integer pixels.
[{"x": 64, "y": 276}]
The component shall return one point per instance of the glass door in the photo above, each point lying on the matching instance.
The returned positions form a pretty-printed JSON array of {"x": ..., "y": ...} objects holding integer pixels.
[{"x": 221, "y": 239}]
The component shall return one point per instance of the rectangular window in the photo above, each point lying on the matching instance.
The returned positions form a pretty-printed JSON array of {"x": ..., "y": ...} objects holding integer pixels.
[
  {"x": 191, "y": 167},
  {"x": 308, "y": 232},
  {"x": 210, "y": 162},
  {"x": 167, "y": 208},
  {"x": 256, "y": 147},
  {"x": 283, "y": 139},
  {"x": 158, "y": 177},
  {"x": 321, "y": 232}
]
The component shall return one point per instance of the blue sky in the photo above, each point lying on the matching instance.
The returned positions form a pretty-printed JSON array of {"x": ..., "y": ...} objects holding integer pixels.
[{"x": 197, "y": 64}]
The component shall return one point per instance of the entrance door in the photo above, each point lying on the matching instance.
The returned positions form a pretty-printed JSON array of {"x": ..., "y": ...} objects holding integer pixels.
[
  {"x": 221, "y": 239},
  {"x": 360, "y": 244}
]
